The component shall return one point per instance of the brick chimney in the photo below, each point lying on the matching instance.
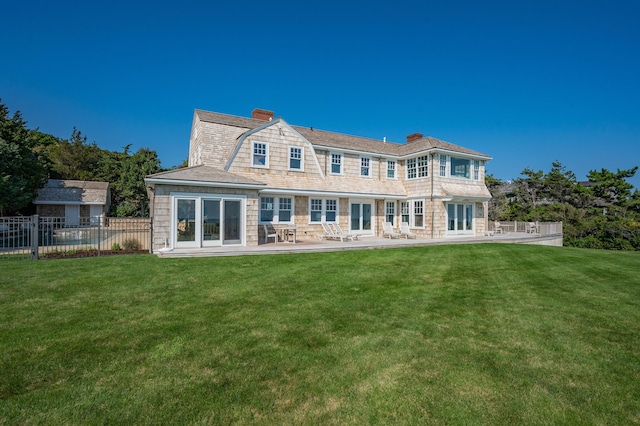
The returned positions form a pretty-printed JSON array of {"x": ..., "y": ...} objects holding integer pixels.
[
  {"x": 262, "y": 114},
  {"x": 414, "y": 137}
]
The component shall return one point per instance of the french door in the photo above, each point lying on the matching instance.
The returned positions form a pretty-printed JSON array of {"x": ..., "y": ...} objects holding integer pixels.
[
  {"x": 206, "y": 221},
  {"x": 459, "y": 219},
  {"x": 360, "y": 217}
]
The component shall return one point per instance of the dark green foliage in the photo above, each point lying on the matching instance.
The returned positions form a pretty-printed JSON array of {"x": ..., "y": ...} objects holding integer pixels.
[
  {"x": 22, "y": 166},
  {"x": 602, "y": 213}
]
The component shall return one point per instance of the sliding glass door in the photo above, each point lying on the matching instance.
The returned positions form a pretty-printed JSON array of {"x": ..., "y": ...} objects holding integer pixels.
[
  {"x": 203, "y": 221},
  {"x": 360, "y": 218},
  {"x": 459, "y": 219}
]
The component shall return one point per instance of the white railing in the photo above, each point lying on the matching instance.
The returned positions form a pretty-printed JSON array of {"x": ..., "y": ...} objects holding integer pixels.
[{"x": 539, "y": 228}]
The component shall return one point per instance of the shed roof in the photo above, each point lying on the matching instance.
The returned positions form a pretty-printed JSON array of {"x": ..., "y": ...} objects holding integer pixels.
[
  {"x": 58, "y": 191},
  {"x": 203, "y": 173}
]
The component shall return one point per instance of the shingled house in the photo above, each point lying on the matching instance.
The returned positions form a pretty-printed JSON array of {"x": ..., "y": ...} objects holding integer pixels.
[
  {"x": 246, "y": 172},
  {"x": 73, "y": 199}
]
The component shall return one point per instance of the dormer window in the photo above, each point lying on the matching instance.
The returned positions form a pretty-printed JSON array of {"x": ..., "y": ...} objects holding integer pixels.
[
  {"x": 336, "y": 164},
  {"x": 365, "y": 166},
  {"x": 260, "y": 157},
  {"x": 295, "y": 158}
]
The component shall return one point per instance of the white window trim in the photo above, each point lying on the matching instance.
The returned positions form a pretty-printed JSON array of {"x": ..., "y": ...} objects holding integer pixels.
[
  {"x": 475, "y": 171},
  {"x": 323, "y": 214},
  {"x": 301, "y": 169},
  {"x": 450, "y": 163},
  {"x": 331, "y": 154},
  {"x": 412, "y": 213},
  {"x": 386, "y": 212},
  {"x": 276, "y": 209},
  {"x": 369, "y": 167},
  {"x": 395, "y": 169},
  {"x": 417, "y": 167},
  {"x": 266, "y": 160}
]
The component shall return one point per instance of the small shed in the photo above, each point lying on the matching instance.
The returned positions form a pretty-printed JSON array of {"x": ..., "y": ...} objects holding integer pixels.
[{"x": 73, "y": 199}]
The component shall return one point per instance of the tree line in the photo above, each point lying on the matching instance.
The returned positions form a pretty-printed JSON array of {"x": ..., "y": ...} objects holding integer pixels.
[
  {"x": 29, "y": 157},
  {"x": 602, "y": 212}
]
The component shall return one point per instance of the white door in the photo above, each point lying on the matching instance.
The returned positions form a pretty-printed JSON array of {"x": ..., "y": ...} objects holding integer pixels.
[
  {"x": 95, "y": 211},
  {"x": 360, "y": 217},
  {"x": 72, "y": 215}
]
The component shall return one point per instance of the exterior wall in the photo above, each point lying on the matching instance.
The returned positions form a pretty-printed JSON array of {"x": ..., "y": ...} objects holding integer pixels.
[
  {"x": 212, "y": 144},
  {"x": 50, "y": 210},
  {"x": 161, "y": 213}
]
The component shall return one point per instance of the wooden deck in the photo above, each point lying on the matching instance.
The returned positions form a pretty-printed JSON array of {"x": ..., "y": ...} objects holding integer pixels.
[{"x": 309, "y": 245}]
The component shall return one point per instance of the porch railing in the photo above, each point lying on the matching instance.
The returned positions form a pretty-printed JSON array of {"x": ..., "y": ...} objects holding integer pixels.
[
  {"x": 541, "y": 228},
  {"x": 34, "y": 237}
]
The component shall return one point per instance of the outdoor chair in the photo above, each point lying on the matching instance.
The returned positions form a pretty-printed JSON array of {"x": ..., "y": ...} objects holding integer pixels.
[
  {"x": 531, "y": 227},
  {"x": 387, "y": 231},
  {"x": 337, "y": 230},
  {"x": 405, "y": 231},
  {"x": 268, "y": 234},
  {"x": 497, "y": 228},
  {"x": 328, "y": 233}
]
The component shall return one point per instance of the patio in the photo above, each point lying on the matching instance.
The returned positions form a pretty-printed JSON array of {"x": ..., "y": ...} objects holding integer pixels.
[{"x": 310, "y": 244}]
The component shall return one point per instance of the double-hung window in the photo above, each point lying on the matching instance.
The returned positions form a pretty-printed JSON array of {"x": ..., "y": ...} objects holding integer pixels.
[
  {"x": 391, "y": 169},
  {"x": 365, "y": 166},
  {"x": 404, "y": 211},
  {"x": 336, "y": 164},
  {"x": 418, "y": 167},
  {"x": 321, "y": 210},
  {"x": 260, "y": 157},
  {"x": 295, "y": 158},
  {"x": 276, "y": 209},
  {"x": 476, "y": 170},
  {"x": 390, "y": 211},
  {"x": 443, "y": 165},
  {"x": 418, "y": 213}
]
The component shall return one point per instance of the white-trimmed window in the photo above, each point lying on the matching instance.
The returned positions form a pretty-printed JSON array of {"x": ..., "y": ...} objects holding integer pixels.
[
  {"x": 404, "y": 211},
  {"x": 276, "y": 209},
  {"x": 443, "y": 165},
  {"x": 476, "y": 170},
  {"x": 418, "y": 213},
  {"x": 323, "y": 210},
  {"x": 418, "y": 167},
  {"x": 336, "y": 163},
  {"x": 365, "y": 166},
  {"x": 460, "y": 167},
  {"x": 390, "y": 211},
  {"x": 295, "y": 158},
  {"x": 260, "y": 154},
  {"x": 391, "y": 169}
]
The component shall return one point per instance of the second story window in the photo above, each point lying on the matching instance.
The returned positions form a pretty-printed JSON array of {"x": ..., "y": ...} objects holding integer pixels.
[
  {"x": 417, "y": 167},
  {"x": 295, "y": 158},
  {"x": 476, "y": 170},
  {"x": 461, "y": 168},
  {"x": 443, "y": 165},
  {"x": 336, "y": 164},
  {"x": 260, "y": 157},
  {"x": 391, "y": 169},
  {"x": 365, "y": 166}
]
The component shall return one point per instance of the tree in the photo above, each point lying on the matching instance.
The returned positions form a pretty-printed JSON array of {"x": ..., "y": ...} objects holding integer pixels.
[
  {"x": 612, "y": 188},
  {"x": 22, "y": 168},
  {"x": 129, "y": 187},
  {"x": 74, "y": 158}
]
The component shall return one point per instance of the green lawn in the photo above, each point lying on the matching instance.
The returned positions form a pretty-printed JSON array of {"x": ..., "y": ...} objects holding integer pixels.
[{"x": 460, "y": 334}]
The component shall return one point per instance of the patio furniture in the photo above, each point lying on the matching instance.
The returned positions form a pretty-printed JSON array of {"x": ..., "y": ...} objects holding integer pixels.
[
  {"x": 268, "y": 235},
  {"x": 387, "y": 231},
  {"x": 405, "y": 231},
  {"x": 337, "y": 230},
  {"x": 497, "y": 228},
  {"x": 286, "y": 231},
  {"x": 328, "y": 233},
  {"x": 531, "y": 227}
]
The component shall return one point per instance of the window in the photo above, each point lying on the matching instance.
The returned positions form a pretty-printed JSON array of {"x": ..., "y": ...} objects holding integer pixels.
[
  {"x": 260, "y": 156},
  {"x": 390, "y": 211},
  {"x": 461, "y": 168},
  {"x": 323, "y": 210},
  {"x": 418, "y": 167},
  {"x": 418, "y": 213},
  {"x": 476, "y": 170},
  {"x": 404, "y": 211},
  {"x": 295, "y": 158},
  {"x": 276, "y": 209},
  {"x": 391, "y": 169},
  {"x": 443, "y": 165},
  {"x": 365, "y": 166},
  {"x": 266, "y": 209},
  {"x": 336, "y": 164},
  {"x": 331, "y": 210}
]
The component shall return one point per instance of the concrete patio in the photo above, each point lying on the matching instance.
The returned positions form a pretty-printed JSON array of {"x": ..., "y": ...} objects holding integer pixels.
[{"x": 310, "y": 245}]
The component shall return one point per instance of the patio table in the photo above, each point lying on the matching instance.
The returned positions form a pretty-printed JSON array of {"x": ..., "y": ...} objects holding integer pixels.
[{"x": 285, "y": 231}]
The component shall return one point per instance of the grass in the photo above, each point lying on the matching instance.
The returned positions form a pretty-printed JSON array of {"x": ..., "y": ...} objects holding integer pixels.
[{"x": 462, "y": 334}]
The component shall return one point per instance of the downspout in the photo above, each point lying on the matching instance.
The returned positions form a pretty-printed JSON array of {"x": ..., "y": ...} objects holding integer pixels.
[{"x": 433, "y": 172}]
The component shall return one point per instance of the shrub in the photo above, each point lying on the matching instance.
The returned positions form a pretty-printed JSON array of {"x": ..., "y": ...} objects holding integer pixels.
[
  {"x": 116, "y": 246},
  {"x": 131, "y": 244}
]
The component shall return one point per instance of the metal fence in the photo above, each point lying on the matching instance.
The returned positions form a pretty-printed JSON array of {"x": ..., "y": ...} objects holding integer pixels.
[{"x": 35, "y": 237}]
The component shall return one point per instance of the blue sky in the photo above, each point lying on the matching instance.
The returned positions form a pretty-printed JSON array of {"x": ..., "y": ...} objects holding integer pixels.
[{"x": 527, "y": 82}]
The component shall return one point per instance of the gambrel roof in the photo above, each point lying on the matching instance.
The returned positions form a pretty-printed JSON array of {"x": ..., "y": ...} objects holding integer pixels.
[{"x": 340, "y": 141}]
